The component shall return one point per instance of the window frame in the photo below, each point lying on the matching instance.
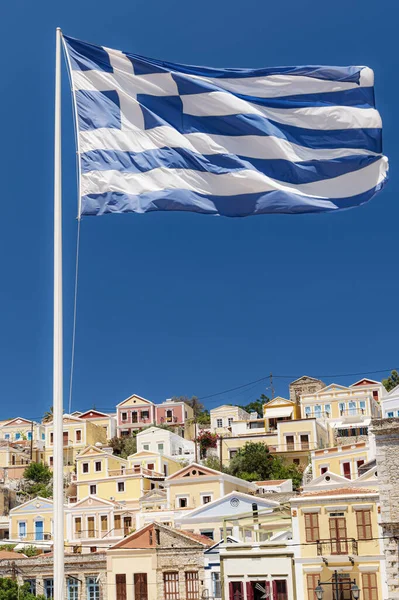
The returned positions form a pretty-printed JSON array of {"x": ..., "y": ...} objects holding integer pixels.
[
  {"x": 171, "y": 580},
  {"x": 72, "y": 588},
  {"x": 219, "y": 423},
  {"x": 312, "y": 527},
  {"x": 368, "y": 590},
  {"x": 118, "y": 483},
  {"x": 92, "y": 588},
  {"x": 93, "y": 485},
  {"x": 364, "y": 529},
  {"x": 48, "y": 587},
  {"x": 84, "y": 466}
]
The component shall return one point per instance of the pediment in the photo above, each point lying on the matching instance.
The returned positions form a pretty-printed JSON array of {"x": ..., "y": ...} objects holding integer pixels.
[
  {"x": 332, "y": 388},
  {"x": 18, "y": 421},
  {"x": 193, "y": 471},
  {"x": 234, "y": 503},
  {"x": 93, "y": 451},
  {"x": 279, "y": 401},
  {"x": 93, "y": 414},
  {"x": 365, "y": 381},
  {"x": 134, "y": 400},
  {"x": 36, "y": 505},
  {"x": 92, "y": 502}
]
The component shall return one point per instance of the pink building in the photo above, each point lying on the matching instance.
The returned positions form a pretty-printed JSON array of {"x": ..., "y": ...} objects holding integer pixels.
[
  {"x": 134, "y": 413},
  {"x": 175, "y": 414}
]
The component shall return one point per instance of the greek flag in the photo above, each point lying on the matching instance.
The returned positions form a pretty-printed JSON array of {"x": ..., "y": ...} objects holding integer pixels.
[{"x": 155, "y": 135}]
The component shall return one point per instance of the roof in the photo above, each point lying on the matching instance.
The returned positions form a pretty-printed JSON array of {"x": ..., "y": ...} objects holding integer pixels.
[
  {"x": 9, "y": 555},
  {"x": 271, "y": 482},
  {"x": 339, "y": 492},
  {"x": 141, "y": 539}
]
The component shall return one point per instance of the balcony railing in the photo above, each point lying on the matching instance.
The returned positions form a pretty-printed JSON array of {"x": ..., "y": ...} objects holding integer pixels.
[
  {"x": 337, "y": 546},
  {"x": 133, "y": 471},
  {"x": 318, "y": 414},
  {"x": 352, "y": 412},
  {"x": 35, "y": 537}
]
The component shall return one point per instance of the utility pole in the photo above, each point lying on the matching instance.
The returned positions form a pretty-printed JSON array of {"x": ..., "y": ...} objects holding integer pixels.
[
  {"x": 195, "y": 438},
  {"x": 271, "y": 385},
  {"x": 31, "y": 441},
  {"x": 220, "y": 452}
]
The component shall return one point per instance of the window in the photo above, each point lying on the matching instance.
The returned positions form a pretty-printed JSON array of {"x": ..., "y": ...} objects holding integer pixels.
[
  {"x": 93, "y": 490},
  {"x": 236, "y": 591},
  {"x": 7, "y": 435},
  {"x": 229, "y": 421},
  {"x": 140, "y": 586},
  {"x": 150, "y": 466},
  {"x": 308, "y": 411},
  {"x": 78, "y": 527},
  {"x": 390, "y": 414},
  {"x": 22, "y": 529},
  {"x": 85, "y": 467},
  {"x": 352, "y": 408},
  {"x": 171, "y": 585},
  {"x": 363, "y": 523},
  {"x": 338, "y": 537},
  {"x": 78, "y": 435},
  {"x": 51, "y": 461},
  {"x": 370, "y": 590},
  {"x": 90, "y": 527},
  {"x": 32, "y": 586},
  {"x": 98, "y": 466},
  {"x": 219, "y": 422},
  {"x": 304, "y": 442},
  {"x": 341, "y": 407},
  {"x": 73, "y": 589},
  {"x": 120, "y": 584},
  {"x": 323, "y": 470},
  {"x": 160, "y": 447},
  {"x": 327, "y": 410},
  {"x": 104, "y": 523},
  {"x": 146, "y": 447},
  {"x": 280, "y": 589},
  {"x": 346, "y": 470},
  {"x": 312, "y": 583},
  {"x": 145, "y": 414},
  {"x": 312, "y": 527},
  {"x": 121, "y": 486},
  {"x": 65, "y": 438},
  {"x": 17, "y": 436},
  {"x": 134, "y": 417},
  {"x": 232, "y": 453},
  {"x": 317, "y": 411},
  {"x": 93, "y": 588},
  {"x": 296, "y": 461},
  {"x": 290, "y": 441},
  {"x": 208, "y": 533},
  {"x": 124, "y": 416},
  {"x": 192, "y": 585},
  {"x": 206, "y": 499},
  {"x": 51, "y": 438},
  {"x": 362, "y": 406},
  {"x": 182, "y": 502},
  {"x": 30, "y": 436},
  {"x": 48, "y": 585},
  {"x": 43, "y": 436},
  {"x": 216, "y": 587},
  {"x": 359, "y": 463}
]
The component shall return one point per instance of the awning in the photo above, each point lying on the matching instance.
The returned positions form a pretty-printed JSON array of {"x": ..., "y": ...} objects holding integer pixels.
[{"x": 279, "y": 411}]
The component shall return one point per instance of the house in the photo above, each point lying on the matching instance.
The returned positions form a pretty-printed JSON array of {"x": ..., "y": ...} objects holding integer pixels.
[
  {"x": 338, "y": 530},
  {"x": 32, "y": 523},
  {"x": 347, "y": 411},
  {"x": 133, "y": 414},
  {"x": 304, "y": 385},
  {"x": 105, "y": 420},
  {"x": 85, "y": 575},
  {"x": 100, "y": 473},
  {"x": 277, "y": 486},
  {"x": 222, "y": 418},
  {"x": 20, "y": 429},
  {"x": 163, "y": 441},
  {"x": 153, "y": 461},
  {"x": 208, "y": 519},
  {"x": 344, "y": 460},
  {"x": 157, "y": 562},
  {"x": 390, "y": 404},
  {"x": 176, "y": 414},
  {"x": 77, "y": 434},
  {"x": 196, "y": 485}
]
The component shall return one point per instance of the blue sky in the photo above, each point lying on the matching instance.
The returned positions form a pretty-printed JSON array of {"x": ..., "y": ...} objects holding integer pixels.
[{"x": 174, "y": 304}]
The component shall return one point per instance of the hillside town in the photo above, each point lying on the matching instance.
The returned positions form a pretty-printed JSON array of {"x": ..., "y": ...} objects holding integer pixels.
[{"x": 297, "y": 501}]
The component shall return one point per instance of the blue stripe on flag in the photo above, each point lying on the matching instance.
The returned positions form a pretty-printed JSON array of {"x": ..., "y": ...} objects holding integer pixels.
[
  {"x": 181, "y": 158},
  {"x": 98, "y": 109},
  {"x": 230, "y": 206},
  {"x": 160, "y": 111},
  {"x": 85, "y": 56}
]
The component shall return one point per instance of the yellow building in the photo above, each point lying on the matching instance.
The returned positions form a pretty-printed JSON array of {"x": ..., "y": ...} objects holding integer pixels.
[
  {"x": 280, "y": 409},
  {"x": 32, "y": 523},
  {"x": 342, "y": 460},
  {"x": 153, "y": 461},
  {"x": 104, "y": 420},
  {"x": 196, "y": 485},
  {"x": 338, "y": 531},
  {"x": 100, "y": 473},
  {"x": 77, "y": 434},
  {"x": 222, "y": 418}
]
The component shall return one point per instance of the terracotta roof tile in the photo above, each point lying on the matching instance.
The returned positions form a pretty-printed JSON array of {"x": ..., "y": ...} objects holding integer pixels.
[
  {"x": 10, "y": 555},
  {"x": 271, "y": 482},
  {"x": 339, "y": 492}
]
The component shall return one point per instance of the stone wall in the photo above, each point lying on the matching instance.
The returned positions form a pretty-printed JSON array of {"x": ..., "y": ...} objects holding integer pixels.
[
  {"x": 386, "y": 433},
  {"x": 305, "y": 385}
]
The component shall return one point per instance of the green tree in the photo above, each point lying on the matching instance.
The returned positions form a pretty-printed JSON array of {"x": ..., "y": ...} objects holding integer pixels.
[
  {"x": 213, "y": 462},
  {"x": 195, "y": 404},
  {"x": 30, "y": 551},
  {"x": 38, "y": 477},
  {"x": 283, "y": 470},
  {"x": 391, "y": 382},
  {"x": 253, "y": 462},
  {"x": 123, "y": 447},
  {"x": 10, "y": 590}
]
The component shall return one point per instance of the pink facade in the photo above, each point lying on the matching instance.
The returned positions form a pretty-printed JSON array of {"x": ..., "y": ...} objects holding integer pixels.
[
  {"x": 135, "y": 416},
  {"x": 171, "y": 413}
]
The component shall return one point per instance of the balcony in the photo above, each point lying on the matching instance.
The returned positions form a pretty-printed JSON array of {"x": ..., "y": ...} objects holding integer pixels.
[
  {"x": 318, "y": 414},
  {"x": 352, "y": 412},
  {"x": 35, "y": 537},
  {"x": 335, "y": 547},
  {"x": 134, "y": 471}
]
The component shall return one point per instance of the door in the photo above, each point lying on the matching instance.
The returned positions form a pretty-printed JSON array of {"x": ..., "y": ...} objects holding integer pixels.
[
  {"x": 258, "y": 590},
  {"x": 140, "y": 586},
  {"x": 347, "y": 470},
  {"x": 236, "y": 591},
  {"x": 127, "y": 525},
  {"x": 39, "y": 530},
  {"x": 290, "y": 442},
  {"x": 339, "y": 543},
  {"x": 120, "y": 581},
  {"x": 280, "y": 589},
  {"x": 90, "y": 527}
]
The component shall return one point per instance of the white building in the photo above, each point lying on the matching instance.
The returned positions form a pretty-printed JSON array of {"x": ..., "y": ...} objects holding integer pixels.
[
  {"x": 390, "y": 403},
  {"x": 156, "y": 439},
  {"x": 222, "y": 418}
]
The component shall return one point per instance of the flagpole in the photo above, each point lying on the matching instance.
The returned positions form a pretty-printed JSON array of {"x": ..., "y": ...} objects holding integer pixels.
[{"x": 58, "y": 468}]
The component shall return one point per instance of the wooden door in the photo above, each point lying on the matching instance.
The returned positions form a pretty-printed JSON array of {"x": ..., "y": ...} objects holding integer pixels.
[
  {"x": 347, "y": 470},
  {"x": 140, "y": 586},
  {"x": 339, "y": 543},
  {"x": 120, "y": 581}
]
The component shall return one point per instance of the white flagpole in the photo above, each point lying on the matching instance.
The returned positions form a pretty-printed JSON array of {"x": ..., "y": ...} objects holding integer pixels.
[{"x": 58, "y": 468}]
